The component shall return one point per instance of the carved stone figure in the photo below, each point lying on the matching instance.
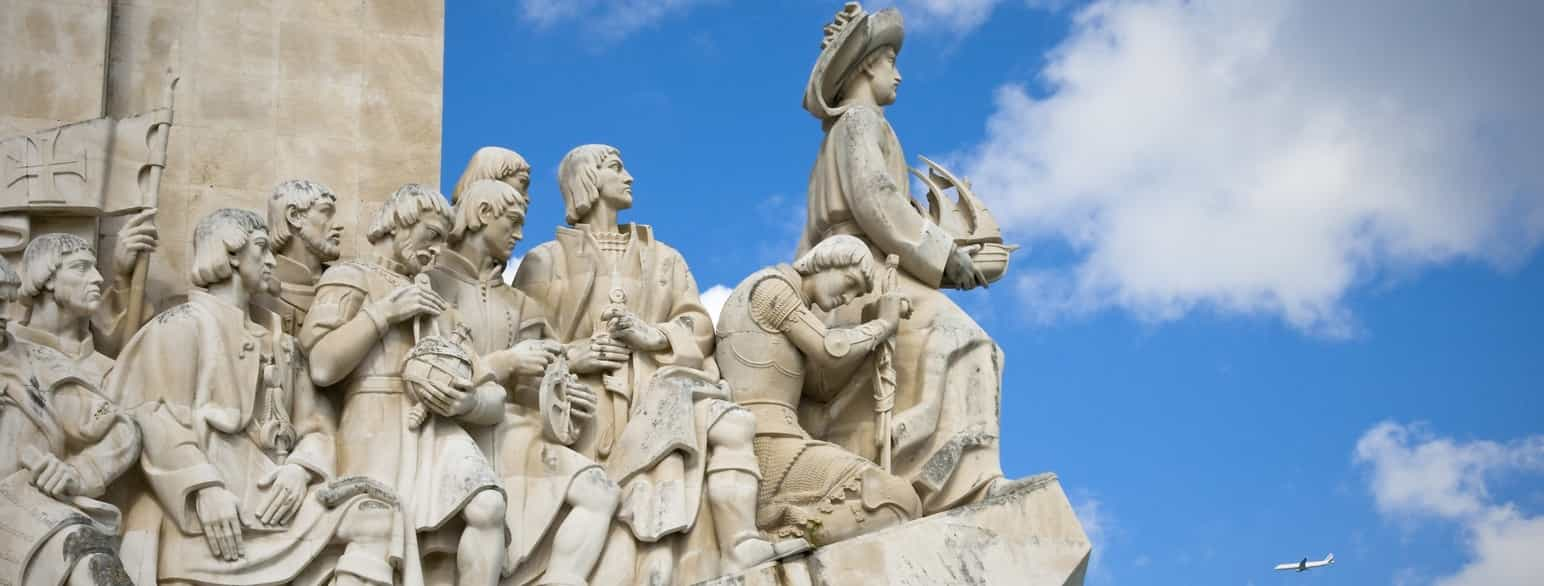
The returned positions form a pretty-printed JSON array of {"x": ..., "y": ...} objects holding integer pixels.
[
  {"x": 637, "y": 334},
  {"x": 768, "y": 338},
  {"x": 358, "y": 334},
  {"x": 239, "y": 446},
  {"x": 545, "y": 479},
  {"x": 63, "y": 444},
  {"x": 306, "y": 237},
  {"x": 948, "y": 371}
]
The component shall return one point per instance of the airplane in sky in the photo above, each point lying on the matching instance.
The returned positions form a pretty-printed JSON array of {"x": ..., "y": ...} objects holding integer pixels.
[{"x": 1305, "y": 565}]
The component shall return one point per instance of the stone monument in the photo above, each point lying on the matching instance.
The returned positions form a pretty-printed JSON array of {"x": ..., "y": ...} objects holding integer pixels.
[{"x": 348, "y": 393}]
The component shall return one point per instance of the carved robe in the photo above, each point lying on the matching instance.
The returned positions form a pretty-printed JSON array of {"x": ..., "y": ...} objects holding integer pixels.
[
  {"x": 944, "y": 361},
  {"x": 207, "y": 416},
  {"x": 650, "y": 444},
  {"x": 809, "y": 488},
  {"x": 58, "y": 358},
  {"x": 434, "y": 469},
  {"x": 536, "y": 470},
  {"x": 43, "y": 538}
]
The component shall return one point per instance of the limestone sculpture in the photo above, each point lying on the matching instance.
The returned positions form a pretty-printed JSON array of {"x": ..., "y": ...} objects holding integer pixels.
[
  {"x": 307, "y": 236},
  {"x": 240, "y": 448},
  {"x": 947, "y": 371},
  {"x": 627, "y": 307},
  {"x": 545, "y": 478},
  {"x": 769, "y": 343},
  {"x": 358, "y": 335},
  {"x": 64, "y": 443}
]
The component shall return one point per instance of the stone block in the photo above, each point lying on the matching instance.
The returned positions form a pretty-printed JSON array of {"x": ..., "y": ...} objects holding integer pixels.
[
  {"x": 400, "y": 117},
  {"x": 329, "y": 12},
  {"x": 1029, "y": 537},
  {"x": 311, "y": 51},
  {"x": 405, "y": 17},
  {"x": 320, "y": 107},
  {"x": 404, "y": 64}
]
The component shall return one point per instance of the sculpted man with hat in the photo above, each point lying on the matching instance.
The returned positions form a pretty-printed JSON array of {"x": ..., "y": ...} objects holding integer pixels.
[{"x": 944, "y": 430}]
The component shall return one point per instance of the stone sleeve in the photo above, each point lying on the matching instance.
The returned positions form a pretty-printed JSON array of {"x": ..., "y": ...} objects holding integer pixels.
[{"x": 879, "y": 203}]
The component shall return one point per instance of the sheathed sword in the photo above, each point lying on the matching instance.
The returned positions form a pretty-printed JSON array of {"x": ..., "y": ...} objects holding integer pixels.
[{"x": 884, "y": 374}]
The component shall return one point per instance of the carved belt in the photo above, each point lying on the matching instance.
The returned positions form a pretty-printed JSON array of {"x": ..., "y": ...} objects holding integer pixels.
[{"x": 377, "y": 385}]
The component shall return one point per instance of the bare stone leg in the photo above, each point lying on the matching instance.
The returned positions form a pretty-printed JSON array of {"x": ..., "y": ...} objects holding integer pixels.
[
  {"x": 479, "y": 554},
  {"x": 619, "y": 559},
  {"x": 733, "y": 482},
  {"x": 367, "y": 533},
  {"x": 579, "y": 540}
]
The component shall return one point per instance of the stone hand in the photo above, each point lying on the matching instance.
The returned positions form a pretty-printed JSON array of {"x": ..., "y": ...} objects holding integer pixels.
[
  {"x": 581, "y": 399},
  {"x": 452, "y": 400},
  {"x": 55, "y": 477},
  {"x": 409, "y": 301},
  {"x": 893, "y": 307},
  {"x": 218, "y": 512},
  {"x": 636, "y": 333},
  {"x": 961, "y": 271},
  {"x": 286, "y": 491},
  {"x": 138, "y": 236},
  {"x": 531, "y": 357},
  {"x": 599, "y": 353}
]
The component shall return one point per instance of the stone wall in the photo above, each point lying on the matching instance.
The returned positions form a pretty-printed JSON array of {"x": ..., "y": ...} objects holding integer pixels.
[{"x": 347, "y": 92}]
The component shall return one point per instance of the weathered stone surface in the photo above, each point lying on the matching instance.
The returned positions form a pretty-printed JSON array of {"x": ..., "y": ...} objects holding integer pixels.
[{"x": 1028, "y": 537}]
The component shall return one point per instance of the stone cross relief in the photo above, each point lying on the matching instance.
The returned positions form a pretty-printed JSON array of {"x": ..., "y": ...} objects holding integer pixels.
[{"x": 40, "y": 160}]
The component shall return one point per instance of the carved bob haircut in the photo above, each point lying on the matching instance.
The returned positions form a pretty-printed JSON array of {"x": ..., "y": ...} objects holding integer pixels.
[
  {"x": 502, "y": 196},
  {"x": 489, "y": 162},
  {"x": 9, "y": 282},
  {"x": 838, "y": 252},
  {"x": 402, "y": 210},
  {"x": 219, "y": 235},
  {"x": 301, "y": 194},
  {"x": 576, "y": 178},
  {"x": 44, "y": 255}
]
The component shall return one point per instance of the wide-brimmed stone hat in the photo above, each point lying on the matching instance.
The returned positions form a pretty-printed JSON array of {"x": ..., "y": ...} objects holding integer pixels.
[{"x": 850, "y": 38}]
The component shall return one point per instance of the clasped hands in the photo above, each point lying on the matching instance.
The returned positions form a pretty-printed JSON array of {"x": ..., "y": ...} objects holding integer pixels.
[
  {"x": 219, "y": 510},
  {"x": 608, "y": 350}
]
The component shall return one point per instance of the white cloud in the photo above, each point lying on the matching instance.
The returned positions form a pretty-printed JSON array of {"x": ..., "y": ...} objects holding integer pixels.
[
  {"x": 714, "y": 299},
  {"x": 1100, "y": 527},
  {"x": 609, "y": 20},
  {"x": 1264, "y": 158},
  {"x": 1416, "y": 475}
]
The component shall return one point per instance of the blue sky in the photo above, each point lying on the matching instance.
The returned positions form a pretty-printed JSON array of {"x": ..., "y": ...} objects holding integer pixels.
[{"x": 1281, "y": 288}]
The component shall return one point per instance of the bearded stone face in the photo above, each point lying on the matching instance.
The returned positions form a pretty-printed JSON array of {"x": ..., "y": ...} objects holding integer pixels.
[{"x": 319, "y": 231}]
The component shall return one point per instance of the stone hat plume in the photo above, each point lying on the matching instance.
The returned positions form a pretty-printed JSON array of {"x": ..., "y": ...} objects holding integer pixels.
[{"x": 850, "y": 38}]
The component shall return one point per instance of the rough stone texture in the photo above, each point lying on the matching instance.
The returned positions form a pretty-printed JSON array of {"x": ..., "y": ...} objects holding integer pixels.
[
  {"x": 345, "y": 92},
  {"x": 1029, "y": 537},
  {"x": 53, "y": 58}
]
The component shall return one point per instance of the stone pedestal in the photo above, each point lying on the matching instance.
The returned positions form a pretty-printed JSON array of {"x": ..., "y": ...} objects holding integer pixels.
[{"x": 1030, "y": 537}]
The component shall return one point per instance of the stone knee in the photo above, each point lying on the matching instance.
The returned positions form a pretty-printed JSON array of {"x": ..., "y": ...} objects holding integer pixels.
[
  {"x": 592, "y": 491},
  {"x": 485, "y": 510},
  {"x": 366, "y": 530},
  {"x": 730, "y": 443}
]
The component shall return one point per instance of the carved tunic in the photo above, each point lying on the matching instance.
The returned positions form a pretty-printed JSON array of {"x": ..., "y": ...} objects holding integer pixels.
[
  {"x": 536, "y": 470},
  {"x": 56, "y": 358},
  {"x": 434, "y": 469},
  {"x": 810, "y": 489},
  {"x": 636, "y": 428},
  {"x": 69, "y": 420},
  {"x": 946, "y": 365},
  {"x": 234, "y": 406}
]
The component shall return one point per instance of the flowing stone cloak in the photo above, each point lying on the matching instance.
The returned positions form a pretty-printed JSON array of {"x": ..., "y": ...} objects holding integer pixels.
[
  {"x": 69, "y": 420},
  {"x": 434, "y": 470},
  {"x": 198, "y": 368},
  {"x": 648, "y": 445},
  {"x": 536, "y": 471},
  {"x": 943, "y": 358}
]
